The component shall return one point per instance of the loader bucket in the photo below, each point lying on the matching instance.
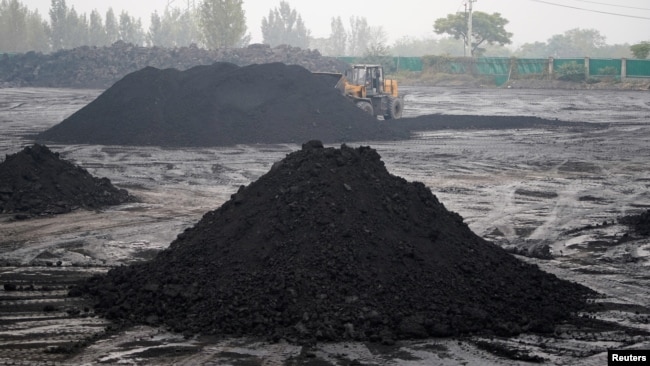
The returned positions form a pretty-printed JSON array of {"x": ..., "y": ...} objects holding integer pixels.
[{"x": 334, "y": 79}]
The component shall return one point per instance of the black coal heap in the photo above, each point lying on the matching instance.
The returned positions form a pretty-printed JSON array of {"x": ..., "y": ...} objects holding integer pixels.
[
  {"x": 36, "y": 182},
  {"x": 217, "y": 105},
  {"x": 328, "y": 246}
]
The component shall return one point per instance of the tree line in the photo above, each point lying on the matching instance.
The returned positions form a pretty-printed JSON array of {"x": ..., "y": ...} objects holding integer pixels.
[
  {"x": 209, "y": 24},
  {"x": 216, "y": 24}
]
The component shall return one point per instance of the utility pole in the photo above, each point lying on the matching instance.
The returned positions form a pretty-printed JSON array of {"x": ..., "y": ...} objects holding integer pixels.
[{"x": 469, "y": 28}]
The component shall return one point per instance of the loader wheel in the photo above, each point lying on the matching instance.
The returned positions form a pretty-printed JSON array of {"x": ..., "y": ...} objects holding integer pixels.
[
  {"x": 395, "y": 109},
  {"x": 366, "y": 107}
]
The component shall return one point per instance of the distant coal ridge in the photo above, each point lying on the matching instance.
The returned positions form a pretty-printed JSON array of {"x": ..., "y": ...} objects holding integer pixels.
[
  {"x": 36, "y": 182},
  {"x": 101, "y": 67},
  {"x": 329, "y": 246},
  {"x": 220, "y": 104}
]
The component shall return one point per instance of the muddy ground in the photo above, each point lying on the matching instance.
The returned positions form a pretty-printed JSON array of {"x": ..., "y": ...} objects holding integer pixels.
[{"x": 564, "y": 187}]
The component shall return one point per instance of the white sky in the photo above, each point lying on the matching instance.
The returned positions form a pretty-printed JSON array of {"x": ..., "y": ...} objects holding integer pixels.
[{"x": 530, "y": 20}]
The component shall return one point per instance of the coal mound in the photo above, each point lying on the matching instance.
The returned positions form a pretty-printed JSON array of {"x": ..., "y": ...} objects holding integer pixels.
[
  {"x": 217, "y": 105},
  {"x": 328, "y": 246},
  {"x": 36, "y": 182}
]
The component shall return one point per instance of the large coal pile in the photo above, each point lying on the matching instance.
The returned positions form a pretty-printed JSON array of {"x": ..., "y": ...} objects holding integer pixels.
[
  {"x": 221, "y": 104},
  {"x": 101, "y": 67},
  {"x": 35, "y": 181},
  {"x": 328, "y": 245}
]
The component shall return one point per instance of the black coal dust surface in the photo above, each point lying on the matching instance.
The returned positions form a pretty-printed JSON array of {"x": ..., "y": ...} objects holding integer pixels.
[
  {"x": 219, "y": 105},
  {"x": 328, "y": 246},
  {"x": 36, "y": 182}
]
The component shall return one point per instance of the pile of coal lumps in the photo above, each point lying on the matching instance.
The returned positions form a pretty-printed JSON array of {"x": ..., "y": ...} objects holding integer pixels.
[
  {"x": 37, "y": 182},
  {"x": 329, "y": 246},
  {"x": 220, "y": 105}
]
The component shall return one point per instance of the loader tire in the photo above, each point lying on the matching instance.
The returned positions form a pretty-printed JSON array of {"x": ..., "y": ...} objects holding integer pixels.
[
  {"x": 395, "y": 108},
  {"x": 366, "y": 107}
]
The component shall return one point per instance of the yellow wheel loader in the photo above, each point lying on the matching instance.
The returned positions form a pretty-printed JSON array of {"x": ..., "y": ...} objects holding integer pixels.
[{"x": 366, "y": 87}]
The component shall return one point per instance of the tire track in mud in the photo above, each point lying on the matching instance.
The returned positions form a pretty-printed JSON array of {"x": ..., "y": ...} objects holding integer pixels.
[
  {"x": 38, "y": 319},
  {"x": 625, "y": 285}
]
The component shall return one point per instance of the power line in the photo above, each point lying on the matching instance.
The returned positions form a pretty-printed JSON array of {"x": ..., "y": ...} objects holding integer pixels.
[
  {"x": 590, "y": 10},
  {"x": 614, "y": 5}
]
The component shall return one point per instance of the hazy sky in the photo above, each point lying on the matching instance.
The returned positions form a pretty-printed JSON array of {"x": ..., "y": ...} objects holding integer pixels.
[{"x": 620, "y": 21}]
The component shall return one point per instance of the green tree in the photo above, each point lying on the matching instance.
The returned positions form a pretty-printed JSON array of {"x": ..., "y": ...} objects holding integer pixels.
[
  {"x": 21, "y": 30},
  {"x": 37, "y": 33},
  {"x": 112, "y": 27},
  {"x": 413, "y": 47},
  {"x": 496, "y": 50},
  {"x": 97, "y": 32},
  {"x": 285, "y": 26},
  {"x": 13, "y": 23},
  {"x": 640, "y": 50},
  {"x": 130, "y": 29},
  {"x": 58, "y": 24},
  {"x": 450, "y": 46},
  {"x": 613, "y": 51},
  {"x": 182, "y": 27},
  {"x": 77, "y": 29},
  {"x": 223, "y": 23},
  {"x": 571, "y": 71},
  {"x": 156, "y": 35},
  {"x": 486, "y": 28},
  {"x": 532, "y": 50},
  {"x": 379, "y": 53},
  {"x": 575, "y": 42},
  {"x": 338, "y": 38},
  {"x": 358, "y": 36},
  {"x": 68, "y": 29},
  {"x": 174, "y": 28},
  {"x": 322, "y": 44},
  {"x": 377, "y": 39}
]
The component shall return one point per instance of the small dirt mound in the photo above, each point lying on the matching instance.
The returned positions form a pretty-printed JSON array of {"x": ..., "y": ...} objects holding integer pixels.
[
  {"x": 36, "y": 182},
  {"x": 221, "y": 104},
  {"x": 328, "y": 245}
]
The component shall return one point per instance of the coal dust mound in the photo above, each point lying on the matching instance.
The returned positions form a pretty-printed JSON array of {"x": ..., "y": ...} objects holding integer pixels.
[
  {"x": 219, "y": 105},
  {"x": 36, "y": 182},
  {"x": 328, "y": 246}
]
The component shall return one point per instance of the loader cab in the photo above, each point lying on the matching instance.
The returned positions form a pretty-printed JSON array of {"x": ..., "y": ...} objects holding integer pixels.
[{"x": 370, "y": 76}]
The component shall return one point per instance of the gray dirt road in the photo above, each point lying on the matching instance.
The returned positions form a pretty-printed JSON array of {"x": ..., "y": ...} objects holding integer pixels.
[{"x": 561, "y": 187}]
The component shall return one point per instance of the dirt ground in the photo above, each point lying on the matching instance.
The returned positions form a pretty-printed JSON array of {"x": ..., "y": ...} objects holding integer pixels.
[{"x": 564, "y": 187}]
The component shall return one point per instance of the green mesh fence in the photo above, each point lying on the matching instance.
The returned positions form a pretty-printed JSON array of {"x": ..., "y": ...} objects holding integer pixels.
[
  {"x": 605, "y": 68},
  {"x": 408, "y": 63},
  {"x": 501, "y": 68},
  {"x": 401, "y": 63},
  {"x": 559, "y": 62},
  {"x": 638, "y": 68},
  {"x": 349, "y": 59},
  {"x": 532, "y": 66},
  {"x": 459, "y": 68},
  {"x": 504, "y": 68}
]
